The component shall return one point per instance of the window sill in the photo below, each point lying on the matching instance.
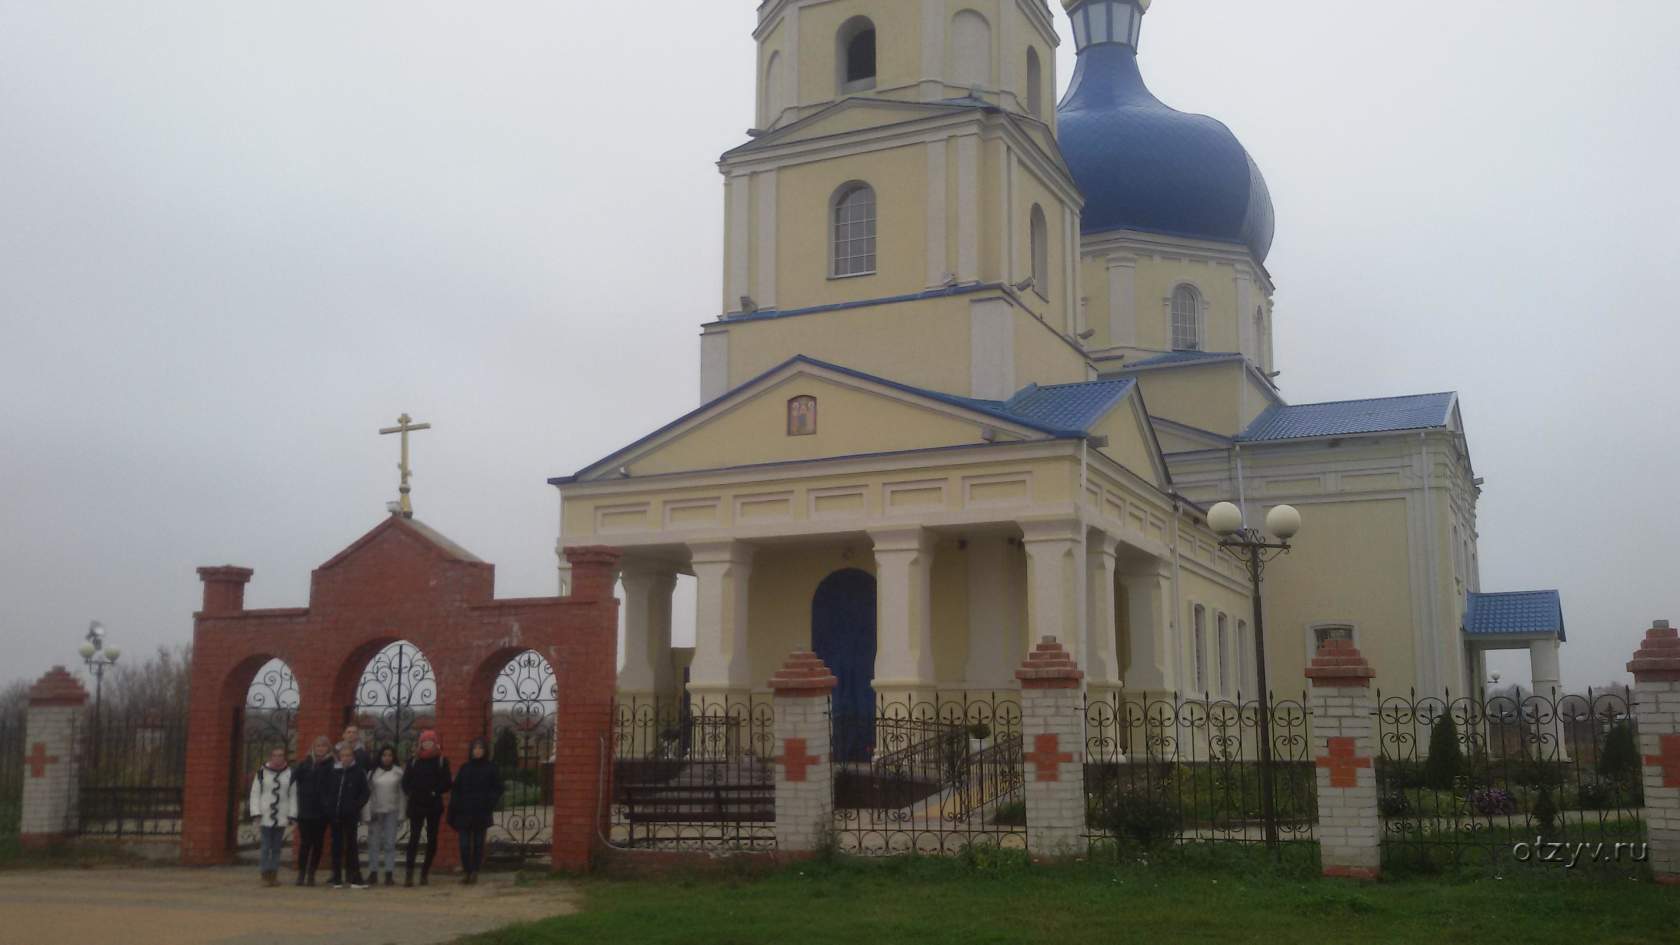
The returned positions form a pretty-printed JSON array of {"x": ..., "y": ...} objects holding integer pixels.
[
  {"x": 855, "y": 275},
  {"x": 857, "y": 85}
]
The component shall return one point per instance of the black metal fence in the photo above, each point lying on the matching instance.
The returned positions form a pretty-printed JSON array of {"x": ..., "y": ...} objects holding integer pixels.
[
  {"x": 1179, "y": 771},
  {"x": 694, "y": 774},
  {"x": 1495, "y": 780},
  {"x": 930, "y": 776},
  {"x": 520, "y": 717},
  {"x": 11, "y": 778},
  {"x": 132, "y": 773}
]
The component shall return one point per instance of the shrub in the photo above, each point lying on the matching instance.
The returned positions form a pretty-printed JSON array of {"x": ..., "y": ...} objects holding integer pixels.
[
  {"x": 1493, "y": 802},
  {"x": 1393, "y": 804},
  {"x": 1445, "y": 760},
  {"x": 1012, "y": 814},
  {"x": 1144, "y": 817},
  {"x": 1619, "y": 759},
  {"x": 1545, "y": 812}
]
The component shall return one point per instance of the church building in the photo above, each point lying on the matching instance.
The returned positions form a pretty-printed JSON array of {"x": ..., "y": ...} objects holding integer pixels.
[{"x": 981, "y": 366}]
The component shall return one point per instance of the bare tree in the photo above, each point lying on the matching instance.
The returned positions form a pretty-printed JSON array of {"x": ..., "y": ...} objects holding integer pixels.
[{"x": 155, "y": 688}]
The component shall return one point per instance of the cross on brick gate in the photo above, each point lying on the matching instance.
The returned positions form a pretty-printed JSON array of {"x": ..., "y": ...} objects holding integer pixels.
[
  {"x": 795, "y": 760},
  {"x": 1668, "y": 760},
  {"x": 38, "y": 760},
  {"x": 1047, "y": 756},
  {"x": 1343, "y": 762}
]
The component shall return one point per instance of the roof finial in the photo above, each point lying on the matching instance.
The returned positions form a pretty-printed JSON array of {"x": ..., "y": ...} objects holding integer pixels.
[{"x": 405, "y": 426}]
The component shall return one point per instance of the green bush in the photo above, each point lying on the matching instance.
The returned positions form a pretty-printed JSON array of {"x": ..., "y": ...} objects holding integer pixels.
[
  {"x": 1545, "y": 812},
  {"x": 1619, "y": 759},
  {"x": 1445, "y": 761}
]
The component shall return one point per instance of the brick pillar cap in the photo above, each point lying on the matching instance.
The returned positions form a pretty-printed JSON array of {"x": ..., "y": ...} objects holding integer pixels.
[
  {"x": 803, "y": 674},
  {"x": 1339, "y": 663},
  {"x": 1049, "y": 666},
  {"x": 1658, "y": 657},
  {"x": 225, "y": 573},
  {"x": 593, "y": 554},
  {"x": 57, "y": 687}
]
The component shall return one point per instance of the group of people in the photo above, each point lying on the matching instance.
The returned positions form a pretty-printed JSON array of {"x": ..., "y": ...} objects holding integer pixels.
[{"x": 339, "y": 787}]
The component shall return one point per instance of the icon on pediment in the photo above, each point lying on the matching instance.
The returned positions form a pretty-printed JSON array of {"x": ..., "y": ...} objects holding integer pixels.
[{"x": 802, "y": 416}]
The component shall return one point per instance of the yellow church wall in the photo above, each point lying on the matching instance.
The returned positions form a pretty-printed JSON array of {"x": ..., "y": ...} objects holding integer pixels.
[
  {"x": 1351, "y": 565},
  {"x": 893, "y": 341},
  {"x": 1215, "y": 598},
  {"x": 850, "y": 421},
  {"x": 804, "y": 231},
  {"x": 1043, "y": 357},
  {"x": 949, "y": 587},
  {"x": 1156, "y": 280},
  {"x": 1129, "y": 443},
  {"x": 779, "y": 593},
  {"x": 1094, "y": 296},
  {"x": 898, "y": 45},
  {"x": 1203, "y": 396},
  {"x": 799, "y": 501},
  {"x": 1027, "y": 191}
]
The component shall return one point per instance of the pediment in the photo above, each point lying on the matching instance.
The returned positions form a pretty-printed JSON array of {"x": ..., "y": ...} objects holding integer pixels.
[{"x": 1132, "y": 441}]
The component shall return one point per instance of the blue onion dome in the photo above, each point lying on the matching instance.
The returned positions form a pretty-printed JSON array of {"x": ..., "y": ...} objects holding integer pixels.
[{"x": 1141, "y": 164}]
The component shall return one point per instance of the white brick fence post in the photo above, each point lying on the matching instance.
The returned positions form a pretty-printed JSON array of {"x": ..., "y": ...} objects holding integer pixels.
[
  {"x": 1656, "y": 692},
  {"x": 804, "y": 764},
  {"x": 50, "y": 759},
  {"x": 1344, "y": 753},
  {"x": 1053, "y": 745}
]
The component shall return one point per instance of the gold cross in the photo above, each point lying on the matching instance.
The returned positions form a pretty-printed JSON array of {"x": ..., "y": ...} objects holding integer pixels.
[{"x": 405, "y": 426}]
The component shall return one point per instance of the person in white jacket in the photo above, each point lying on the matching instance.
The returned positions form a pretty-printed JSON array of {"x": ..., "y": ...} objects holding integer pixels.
[{"x": 273, "y": 809}]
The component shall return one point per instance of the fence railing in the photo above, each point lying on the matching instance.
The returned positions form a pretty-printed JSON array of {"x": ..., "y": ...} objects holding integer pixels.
[
  {"x": 11, "y": 777},
  {"x": 1477, "y": 780},
  {"x": 694, "y": 774},
  {"x": 1174, "y": 770},
  {"x": 934, "y": 776},
  {"x": 132, "y": 773}
]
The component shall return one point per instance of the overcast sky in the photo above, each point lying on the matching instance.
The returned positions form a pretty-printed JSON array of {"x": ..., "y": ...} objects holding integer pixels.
[{"x": 237, "y": 238}]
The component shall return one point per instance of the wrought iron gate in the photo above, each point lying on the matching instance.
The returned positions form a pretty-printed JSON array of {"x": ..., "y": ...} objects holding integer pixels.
[
  {"x": 266, "y": 721},
  {"x": 519, "y": 724}
]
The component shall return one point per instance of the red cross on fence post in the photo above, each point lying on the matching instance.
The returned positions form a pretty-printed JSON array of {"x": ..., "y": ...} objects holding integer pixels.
[
  {"x": 1343, "y": 762},
  {"x": 1047, "y": 757},
  {"x": 795, "y": 760},
  {"x": 38, "y": 760},
  {"x": 1667, "y": 760}
]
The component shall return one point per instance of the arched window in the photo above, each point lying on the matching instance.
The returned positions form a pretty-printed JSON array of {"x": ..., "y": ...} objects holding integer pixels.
[
  {"x": 774, "y": 99},
  {"x": 1035, "y": 84},
  {"x": 1040, "y": 252},
  {"x": 971, "y": 49},
  {"x": 857, "y": 55},
  {"x": 854, "y": 230},
  {"x": 1223, "y": 641},
  {"x": 1186, "y": 319},
  {"x": 1200, "y": 642}
]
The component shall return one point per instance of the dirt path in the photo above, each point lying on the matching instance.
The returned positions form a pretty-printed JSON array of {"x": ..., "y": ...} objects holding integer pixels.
[{"x": 226, "y": 907}]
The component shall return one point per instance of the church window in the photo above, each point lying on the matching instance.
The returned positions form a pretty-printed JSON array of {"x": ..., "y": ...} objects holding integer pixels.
[
  {"x": 971, "y": 49},
  {"x": 854, "y": 230},
  {"x": 1035, "y": 84},
  {"x": 1186, "y": 319},
  {"x": 1223, "y": 641},
  {"x": 802, "y": 416},
  {"x": 1199, "y": 641},
  {"x": 1324, "y": 633},
  {"x": 1040, "y": 252},
  {"x": 857, "y": 55}
]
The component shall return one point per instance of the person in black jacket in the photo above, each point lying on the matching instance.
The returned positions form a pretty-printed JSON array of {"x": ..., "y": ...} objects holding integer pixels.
[
  {"x": 425, "y": 781},
  {"x": 312, "y": 820},
  {"x": 472, "y": 806},
  {"x": 343, "y": 794}
]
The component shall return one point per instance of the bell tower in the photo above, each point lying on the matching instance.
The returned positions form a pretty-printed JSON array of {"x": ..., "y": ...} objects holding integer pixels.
[{"x": 901, "y": 207}]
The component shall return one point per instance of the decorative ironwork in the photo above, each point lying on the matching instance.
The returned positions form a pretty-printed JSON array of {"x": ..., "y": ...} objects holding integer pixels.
[
  {"x": 520, "y": 728},
  {"x": 1178, "y": 771},
  {"x": 694, "y": 774},
  {"x": 1476, "y": 780},
  {"x": 267, "y": 721},
  {"x": 943, "y": 774},
  {"x": 132, "y": 785},
  {"x": 395, "y": 699}
]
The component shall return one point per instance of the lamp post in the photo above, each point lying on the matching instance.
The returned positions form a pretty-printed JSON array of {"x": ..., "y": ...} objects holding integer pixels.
[
  {"x": 98, "y": 657},
  {"x": 1251, "y": 547}
]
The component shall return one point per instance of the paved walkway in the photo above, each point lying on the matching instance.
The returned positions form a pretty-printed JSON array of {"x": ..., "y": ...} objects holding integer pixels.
[{"x": 225, "y": 906}]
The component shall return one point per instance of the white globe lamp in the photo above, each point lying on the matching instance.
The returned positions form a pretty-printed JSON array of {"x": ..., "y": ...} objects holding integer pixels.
[
  {"x": 1284, "y": 522},
  {"x": 1225, "y": 519}
]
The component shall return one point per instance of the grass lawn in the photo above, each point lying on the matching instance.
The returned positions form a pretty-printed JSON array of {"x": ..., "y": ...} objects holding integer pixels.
[{"x": 1222, "y": 898}]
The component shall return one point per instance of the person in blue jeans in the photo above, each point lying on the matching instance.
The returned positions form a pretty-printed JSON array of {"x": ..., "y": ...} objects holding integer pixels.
[
  {"x": 385, "y": 807},
  {"x": 273, "y": 808}
]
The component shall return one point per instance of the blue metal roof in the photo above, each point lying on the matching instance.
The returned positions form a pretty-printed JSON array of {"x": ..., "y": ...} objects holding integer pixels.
[
  {"x": 1514, "y": 612},
  {"x": 1067, "y": 406},
  {"x": 1345, "y": 417},
  {"x": 1145, "y": 166},
  {"x": 1182, "y": 357}
]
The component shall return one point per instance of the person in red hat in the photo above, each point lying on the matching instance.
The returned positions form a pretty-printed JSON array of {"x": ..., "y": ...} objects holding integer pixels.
[{"x": 425, "y": 780}]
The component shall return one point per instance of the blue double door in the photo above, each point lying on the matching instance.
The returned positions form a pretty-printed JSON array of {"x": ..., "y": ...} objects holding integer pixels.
[{"x": 843, "y": 634}]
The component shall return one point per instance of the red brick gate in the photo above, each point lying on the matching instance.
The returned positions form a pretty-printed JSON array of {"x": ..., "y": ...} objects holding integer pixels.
[{"x": 403, "y": 581}]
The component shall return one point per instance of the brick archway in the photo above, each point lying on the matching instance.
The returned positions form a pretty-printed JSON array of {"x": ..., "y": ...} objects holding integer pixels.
[{"x": 403, "y": 581}]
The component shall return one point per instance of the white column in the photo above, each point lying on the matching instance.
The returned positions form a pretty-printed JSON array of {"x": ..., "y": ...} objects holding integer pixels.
[
  {"x": 739, "y": 226},
  {"x": 764, "y": 261},
  {"x": 938, "y": 245},
  {"x": 1548, "y": 685},
  {"x": 968, "y": 208},
  {"x": 647, "y": 631},
  {"x": 1102, "y": 663},
  {"x": 1122, "y": 300},
  {"x": 1056, "y": 581},
  {"x": 993, "y": 651},
  {"x": 722, "y": 660},
  {"x": 1148, "y": 622},
  {"x": 903, "y": 602}
]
